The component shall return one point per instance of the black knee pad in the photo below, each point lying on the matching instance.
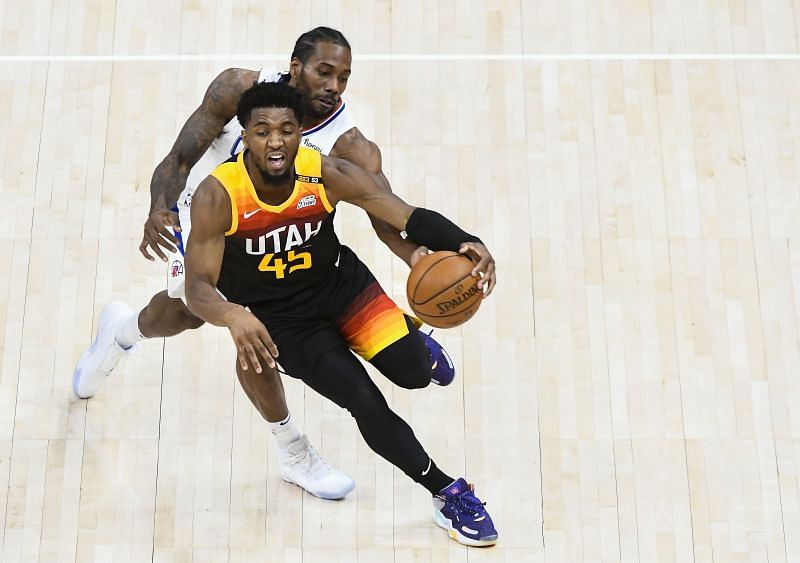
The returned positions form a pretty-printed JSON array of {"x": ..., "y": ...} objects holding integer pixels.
[
  {"x": 416, "y": 374},
  {"x": 406, "y": 362}
]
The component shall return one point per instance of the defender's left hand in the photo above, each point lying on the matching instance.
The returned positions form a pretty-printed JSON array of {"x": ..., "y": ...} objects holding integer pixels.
[{"x": 484, "y": 265}]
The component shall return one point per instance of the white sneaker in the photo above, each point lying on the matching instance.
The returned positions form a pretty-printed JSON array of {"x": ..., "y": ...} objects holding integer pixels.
[
  {"x": 302, "y": 465},
  {"x": 104, "y": 353}
]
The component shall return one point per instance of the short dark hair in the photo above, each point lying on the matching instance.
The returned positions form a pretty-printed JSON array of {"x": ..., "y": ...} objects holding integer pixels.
[
  {"x": 307, "y": 43},
  {"x": 269, "y": 95}
]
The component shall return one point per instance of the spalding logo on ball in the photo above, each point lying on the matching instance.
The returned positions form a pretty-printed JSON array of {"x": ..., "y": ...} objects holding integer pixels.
[{"x": 441, "y": 290}]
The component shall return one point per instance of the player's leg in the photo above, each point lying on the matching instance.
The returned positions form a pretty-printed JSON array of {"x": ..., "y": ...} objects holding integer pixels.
[
  {"x": 119, "y": 329},
  {"x": 456, "y": 508},
  {"x": 325, "y": 353},
  {"x": 298, "y": 461},
  {"x": 410, "y": 361},
  {"x": 369, "y": 319},
  {"x": 165, "y": 316},
  {"x": 351, "y": 388}
]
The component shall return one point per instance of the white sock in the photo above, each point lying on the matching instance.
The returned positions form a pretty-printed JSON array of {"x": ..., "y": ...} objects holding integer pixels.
[
  {"x": 285, "y": 432},
  {"x": 128, "y": 332}
]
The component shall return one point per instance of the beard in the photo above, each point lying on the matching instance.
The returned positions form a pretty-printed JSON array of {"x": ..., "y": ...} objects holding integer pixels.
[
  {"x": 310, "y": 110},
  {"x": 271, "y": 179},
  {"x": 313, "y": 112}
]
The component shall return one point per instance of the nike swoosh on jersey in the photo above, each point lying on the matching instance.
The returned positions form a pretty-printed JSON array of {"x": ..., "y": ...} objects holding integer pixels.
[{"x": 249, "y": 214}]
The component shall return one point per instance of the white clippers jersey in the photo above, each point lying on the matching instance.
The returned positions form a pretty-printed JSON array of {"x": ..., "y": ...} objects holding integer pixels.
[{"x": 229, "y": 143}]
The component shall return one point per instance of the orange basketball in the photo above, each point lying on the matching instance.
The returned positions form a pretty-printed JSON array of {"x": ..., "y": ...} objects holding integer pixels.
[{"x": 441, "y": 290}]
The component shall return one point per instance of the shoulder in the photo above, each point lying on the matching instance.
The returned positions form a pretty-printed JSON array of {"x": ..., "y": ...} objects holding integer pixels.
[
  {"x": 210, "y": 192},
  {"x": 228, "y": 86},
  {"x": 352, "y": 145},
  {"x": 352, "y": 140},
  {"x": 213, "y": 204}
]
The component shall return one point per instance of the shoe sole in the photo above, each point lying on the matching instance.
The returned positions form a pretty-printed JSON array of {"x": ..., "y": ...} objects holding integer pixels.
[
  {"x": 444, "y": 523},
  {"x": 76, "y": 377},
  {"x": 326, "y": 495}
]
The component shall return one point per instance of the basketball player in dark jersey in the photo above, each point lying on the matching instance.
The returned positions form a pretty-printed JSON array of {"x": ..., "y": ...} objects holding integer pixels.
[
  {"x": 320, "y": 68},
  {"x": 264, "y": 238}
]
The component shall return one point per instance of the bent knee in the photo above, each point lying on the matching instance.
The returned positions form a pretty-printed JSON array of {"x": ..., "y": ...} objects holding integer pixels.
[
  {"x": 183, "y": 316},
  {"x": 413, "y": 375},
  {"x": 190, "y": 321},
  {"x": 419, "y": 380}
]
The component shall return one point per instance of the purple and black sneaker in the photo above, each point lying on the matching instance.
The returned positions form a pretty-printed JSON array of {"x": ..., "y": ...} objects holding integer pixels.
[
  {"x": 462, "y": 514},
  {"x": 442, "y": 366}
]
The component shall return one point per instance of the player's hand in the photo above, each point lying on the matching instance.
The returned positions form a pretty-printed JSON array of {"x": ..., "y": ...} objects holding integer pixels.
[
  {"x": 157, "y": 234},
  {"x": 417, "y": 254},
  {"x": 484, "y": 265},
  {"x": 252, "y": 340}
]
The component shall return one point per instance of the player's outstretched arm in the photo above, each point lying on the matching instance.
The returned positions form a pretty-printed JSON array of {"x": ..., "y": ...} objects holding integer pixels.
[
  {"x": 354, "y": 147},
  {"x": 345, "y": 181},
  {"x": 211, "y": 217},
  {"x": 169, "y": 178}
]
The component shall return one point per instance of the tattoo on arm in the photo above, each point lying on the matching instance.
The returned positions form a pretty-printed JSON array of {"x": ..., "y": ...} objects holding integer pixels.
[{"x": 197, "y": 134}]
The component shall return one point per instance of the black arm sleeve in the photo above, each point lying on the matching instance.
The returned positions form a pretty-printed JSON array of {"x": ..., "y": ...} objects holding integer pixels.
[{"x": 431, "y": 229}]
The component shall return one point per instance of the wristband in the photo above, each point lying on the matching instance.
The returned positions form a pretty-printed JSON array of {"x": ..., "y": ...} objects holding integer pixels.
[{"x": 431, "y": 229}]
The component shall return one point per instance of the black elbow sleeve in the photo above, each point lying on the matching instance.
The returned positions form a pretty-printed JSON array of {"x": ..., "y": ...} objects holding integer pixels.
[{"x": 431, "y": 229}]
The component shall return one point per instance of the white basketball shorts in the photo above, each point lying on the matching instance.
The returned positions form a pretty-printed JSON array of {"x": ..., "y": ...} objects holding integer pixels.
[{"x": 176, "y": 276}]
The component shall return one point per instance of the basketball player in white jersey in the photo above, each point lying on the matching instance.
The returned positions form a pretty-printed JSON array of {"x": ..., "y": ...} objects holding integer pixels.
[{"x": 320, "y": 68}]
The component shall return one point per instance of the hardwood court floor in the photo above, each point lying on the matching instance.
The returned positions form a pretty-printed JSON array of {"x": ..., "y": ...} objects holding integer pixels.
[{"x": 630, "y": 393}]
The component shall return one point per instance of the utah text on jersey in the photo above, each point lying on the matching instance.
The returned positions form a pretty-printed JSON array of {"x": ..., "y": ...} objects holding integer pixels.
[{"x": 282, "y": 239}]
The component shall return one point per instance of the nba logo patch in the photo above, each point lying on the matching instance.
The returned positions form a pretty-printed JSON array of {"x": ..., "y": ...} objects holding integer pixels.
[
  {"x": 307, "y": 201},
  {"x": 176, "y": 269}
]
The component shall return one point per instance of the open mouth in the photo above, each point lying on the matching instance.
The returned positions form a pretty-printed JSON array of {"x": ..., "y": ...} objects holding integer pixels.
[{"x": 276, "y": 161}]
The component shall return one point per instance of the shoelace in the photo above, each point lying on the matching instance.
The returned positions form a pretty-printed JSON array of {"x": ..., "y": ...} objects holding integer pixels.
[
  {"x": 468, "y": 502},
  {"x": 308, "y": 458}
]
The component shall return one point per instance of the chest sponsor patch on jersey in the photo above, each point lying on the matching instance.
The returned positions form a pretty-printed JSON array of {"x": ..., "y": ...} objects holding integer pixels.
[{"x": 307, "y": 201}]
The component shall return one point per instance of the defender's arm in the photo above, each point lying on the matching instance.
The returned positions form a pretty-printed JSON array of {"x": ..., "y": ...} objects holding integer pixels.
[
  {"x": 345, "y": 181},
  {"x": 354, "y": 147},
  {"x": 169, "y": 178}
]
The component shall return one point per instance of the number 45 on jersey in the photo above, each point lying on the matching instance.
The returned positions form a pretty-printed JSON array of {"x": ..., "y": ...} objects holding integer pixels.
[{"x": 294, "y": 260}]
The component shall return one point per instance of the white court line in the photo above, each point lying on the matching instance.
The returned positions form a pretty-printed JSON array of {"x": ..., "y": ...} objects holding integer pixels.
[{"x": 412, "y": 57}]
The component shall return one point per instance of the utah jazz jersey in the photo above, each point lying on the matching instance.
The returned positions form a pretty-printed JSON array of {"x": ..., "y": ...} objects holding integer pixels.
[
  {"x": 277, "y": 253},
  {"x": 320, "y": 136}
]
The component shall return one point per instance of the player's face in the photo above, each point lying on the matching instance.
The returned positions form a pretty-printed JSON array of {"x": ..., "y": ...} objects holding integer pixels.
[
  {"x": 323, "y": 78},
  {"x": 273, "y": 136}
]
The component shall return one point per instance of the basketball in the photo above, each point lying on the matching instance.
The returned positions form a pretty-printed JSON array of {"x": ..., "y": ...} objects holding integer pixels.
[{"x": 441, "y": 290}]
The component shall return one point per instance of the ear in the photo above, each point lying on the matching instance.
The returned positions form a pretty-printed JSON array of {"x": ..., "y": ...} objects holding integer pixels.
[
  {"x": 244, "y": 139},
  {"x": 295, "y": 66}
]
